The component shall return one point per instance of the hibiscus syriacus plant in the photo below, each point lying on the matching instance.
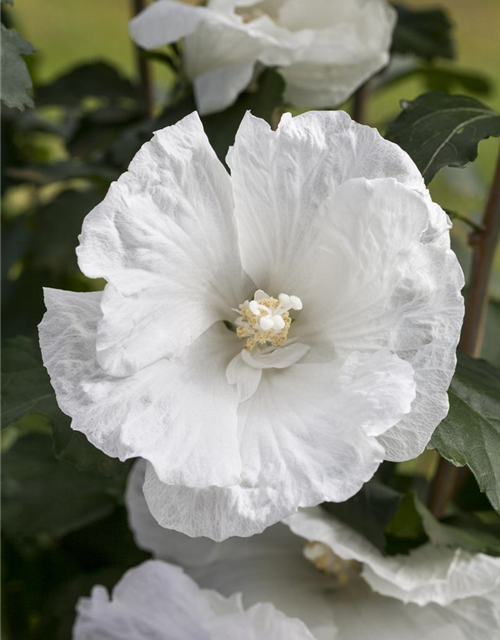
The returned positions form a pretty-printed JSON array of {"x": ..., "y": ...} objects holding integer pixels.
[
  {"x": 323, "y": 50},
  {"x": 333, "y": 579},
  {"x": 266, "y": 338}
]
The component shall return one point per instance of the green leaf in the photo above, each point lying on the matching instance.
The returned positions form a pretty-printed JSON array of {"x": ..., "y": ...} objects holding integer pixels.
[
  {"x": 96, "y": 79},
  {"x": 57, "y": 226},
  {"x": 27, "y": 392},
  {"x": 25, "y": 383},
  {"x": 465, "y": 532},
  {"x": 426, "y": 33},
  {"x": 15, "y": 75},
  {"x": 97, "y": 129},
  {"x": 439, "y": 130},
  {"x": 43, "y": 496},
  {"x": 470, "y": 434},
  {"x": 369, "y": 511}
]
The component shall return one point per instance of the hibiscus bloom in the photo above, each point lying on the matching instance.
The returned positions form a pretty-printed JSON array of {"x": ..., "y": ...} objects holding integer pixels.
[
  {"x": 157, "y": 600},
  {"x": 266, "y": 339},
  {"x": 323, "y": 49},
  {"x": 329, "y": 576}
]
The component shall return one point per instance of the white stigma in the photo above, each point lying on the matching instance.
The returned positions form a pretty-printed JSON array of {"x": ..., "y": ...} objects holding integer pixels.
[{"x": 265, "y": 319}]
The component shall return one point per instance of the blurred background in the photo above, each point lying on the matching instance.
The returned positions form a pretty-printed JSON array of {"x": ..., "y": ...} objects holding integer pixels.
[
  {"x": 65, "y": 35},
  {"x": 69, "y": 532}
]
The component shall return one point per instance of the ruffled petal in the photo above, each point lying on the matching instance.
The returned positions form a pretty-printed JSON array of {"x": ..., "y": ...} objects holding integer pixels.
[
  {"x": 165, "y": 240},
  {"x": 268, "y": 567},
  {"x": 305, "y": 437},
  {"x": 157, "y": 601},
  {"x": 426, "y": 575},
  {"x": 349, "y": 43},
  {"x": 161, "y": 413},
  {"x": 394, "y": 284},
  {"x": 271, "y": 567},
  {"x": 281, "y": 179}
]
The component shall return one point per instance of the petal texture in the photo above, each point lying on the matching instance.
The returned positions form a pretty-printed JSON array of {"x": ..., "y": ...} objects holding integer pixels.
[
  {"x": 164, "y": 238},
  {"x": 157, "y": 601},
  {"x": 349, "y": 227},
  {"x": 392, "y": 290},
  {"x": 281, "y": 180},
  {"x": 271, "y": 567},
  {"x": 426, "y": 575},
  {"x": 306, "y": 436},
  {"x": 161, "y": 413},
  {"x": 324, "y": 50}
]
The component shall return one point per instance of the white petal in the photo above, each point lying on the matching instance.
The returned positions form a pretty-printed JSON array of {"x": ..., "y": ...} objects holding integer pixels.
[
  {"x": 219, "y": 88},
  {"x": 327, "y": 85},
  {"x": 166, "y": 22},
  {"x": 393, "y": 285},
  {"x": 282, "y": 178},
  {"x": 160, "y": 413},
  {"x": 157, "y": 601},
  {"x": 246, "y": 378},
  {"x": 154, "y": 601},
  {"x": 304, "y": 439},
  {"x": 361, "y": 614},
  {"x": 165, "y": 240},
  {"x": 426, "y": 575},
  {"x": 350, "y": 42},
  {"x": 260, "y": 622},
  {"x": 268, "y": 567},
  {"x": 271, "y": 567},
  {"x": 279, "y": 358}
]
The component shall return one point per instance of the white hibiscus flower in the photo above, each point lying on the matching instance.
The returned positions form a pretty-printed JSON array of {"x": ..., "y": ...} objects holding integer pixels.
[
  {"x": 324, "y": 49},
  {"x": 157, "y": 601},
  {"x": 264, "y": 339},
  {"x": 334, "y": 580}
]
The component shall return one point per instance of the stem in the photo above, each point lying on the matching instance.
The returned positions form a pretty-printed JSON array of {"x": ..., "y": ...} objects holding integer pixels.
[
  {"x": 484, "y": 246},
  {"x": 143, "y": 70},
  {"x": 484, "y": 243},
  {"x": 455, "y": 215},
  {"x": 359, "y": 111}
]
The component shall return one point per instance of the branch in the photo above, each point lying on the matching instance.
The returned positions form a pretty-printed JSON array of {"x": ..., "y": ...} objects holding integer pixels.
[
  {"x": 360, "y": 104},
  {"x": 484, "y": 243},
  {"x": 143, "y": 69}
]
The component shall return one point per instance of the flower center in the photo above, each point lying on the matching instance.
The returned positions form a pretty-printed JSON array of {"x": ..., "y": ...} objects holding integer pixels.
[
  {"x": 324, "y": 559},
  {"x": 265, "y": 320}
]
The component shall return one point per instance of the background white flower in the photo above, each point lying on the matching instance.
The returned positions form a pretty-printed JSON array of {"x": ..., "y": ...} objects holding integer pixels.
[
  {"x": 323, "y": 49},
  {"x": 157, "y": 601},
  {"x": 264, "y": 340},
  {"x": 431, "y": 594}
]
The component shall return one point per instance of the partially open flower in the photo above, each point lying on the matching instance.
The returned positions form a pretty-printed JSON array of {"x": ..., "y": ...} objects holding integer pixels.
[
  {"x": 329, "y": 576},
  {"x": 157, "y": 600},
  {"x": 324, "y": 49},
  {"x": 264, "y": 339}
]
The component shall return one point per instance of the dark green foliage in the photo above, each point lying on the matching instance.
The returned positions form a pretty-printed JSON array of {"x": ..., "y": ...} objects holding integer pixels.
[
  {"x": 95, "y": 79},
  {"x": 426, "y": 33},
  {"x": 438, "y": 130},
  {"x": 470, "y": 434},
  {"x": 369, "y": 511},
  {"x": 15, "y": 75}
]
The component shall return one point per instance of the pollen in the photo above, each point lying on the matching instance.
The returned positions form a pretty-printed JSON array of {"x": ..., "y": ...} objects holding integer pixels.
[
  {"x": 266, "y": 320},
  {"x": 326, "y": 561}
]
